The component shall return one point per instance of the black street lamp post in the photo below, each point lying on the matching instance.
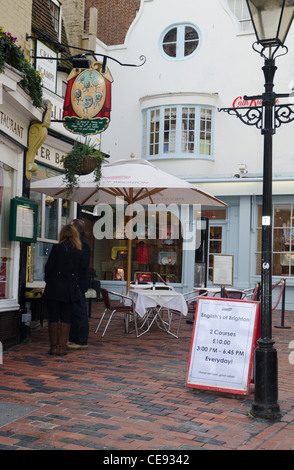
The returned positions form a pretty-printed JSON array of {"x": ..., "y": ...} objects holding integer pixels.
[{"x": 271, "y": 20}]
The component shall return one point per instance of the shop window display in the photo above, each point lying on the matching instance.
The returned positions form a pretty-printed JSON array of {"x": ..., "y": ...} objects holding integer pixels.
[
  {"x": 6, "y": 194},
  {"x": 283, "y": 240},
  {"x": 159, "y": 252},
  {"x": 53, "y": 214}
]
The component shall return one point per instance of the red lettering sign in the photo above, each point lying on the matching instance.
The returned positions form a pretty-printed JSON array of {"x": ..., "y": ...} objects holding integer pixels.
[{"x": 239, "y": 102}]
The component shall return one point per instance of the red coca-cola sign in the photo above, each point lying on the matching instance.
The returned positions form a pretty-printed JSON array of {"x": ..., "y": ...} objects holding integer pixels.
[{"x": 239, "y": 102}]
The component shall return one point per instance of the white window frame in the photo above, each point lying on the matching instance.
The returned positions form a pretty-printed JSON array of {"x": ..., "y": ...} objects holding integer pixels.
[
  {"x": 59, "y": 7},
  {"x": 175, "y": 141},
  {"x": 277, "y": 201},
  {"x": 243, "y": 18},
  {"x": 180, "y": 41}
]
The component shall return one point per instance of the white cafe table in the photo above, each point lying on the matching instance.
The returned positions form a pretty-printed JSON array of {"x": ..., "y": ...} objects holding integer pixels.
[{"x": 152, "y": 301}]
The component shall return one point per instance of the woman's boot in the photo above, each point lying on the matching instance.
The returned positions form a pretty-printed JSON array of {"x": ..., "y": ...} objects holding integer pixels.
[
  {"x": 63, "y": 338},
  {"x": 53, "y": 337}
]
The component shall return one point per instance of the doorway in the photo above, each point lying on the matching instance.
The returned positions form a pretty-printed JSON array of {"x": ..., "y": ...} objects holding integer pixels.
[{"x": 216, "y": 245}]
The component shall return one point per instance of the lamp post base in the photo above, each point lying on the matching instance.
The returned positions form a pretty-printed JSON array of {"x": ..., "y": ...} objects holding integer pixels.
[
  {"x": 265, "y": 405},
  {"x": 269, "y": 413}
]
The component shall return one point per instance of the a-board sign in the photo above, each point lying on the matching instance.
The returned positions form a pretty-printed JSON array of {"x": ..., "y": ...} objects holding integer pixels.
[{"x": 222, "y": 346}]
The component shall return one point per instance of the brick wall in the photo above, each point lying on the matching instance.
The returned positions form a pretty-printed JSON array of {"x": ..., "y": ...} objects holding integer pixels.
[
  {"x": 114, "y": 18},
  {"x": 16, "y": 17}
]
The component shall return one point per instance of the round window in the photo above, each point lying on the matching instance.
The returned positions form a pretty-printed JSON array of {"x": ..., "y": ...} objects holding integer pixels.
[{"x": 180, "y": 41}]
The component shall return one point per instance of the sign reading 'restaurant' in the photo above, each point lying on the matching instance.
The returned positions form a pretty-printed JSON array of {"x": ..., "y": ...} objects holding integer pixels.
[
  {"x": 87, "y": 103},
  {"x": 223, "y": 343}
]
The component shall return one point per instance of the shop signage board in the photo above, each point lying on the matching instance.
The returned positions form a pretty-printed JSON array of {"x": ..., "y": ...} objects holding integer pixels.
[
  {"x": 46, "y": 65},
  {"x": 13, "y": 125},
  {"x": 87, "y": 103},
  {"x": 222, "y": 346}
]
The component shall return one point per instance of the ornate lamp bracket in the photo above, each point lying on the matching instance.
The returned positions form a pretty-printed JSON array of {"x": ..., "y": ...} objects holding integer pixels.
[
  {"x": 283, "y": 114},
  {"x": 253, "y": 115}
]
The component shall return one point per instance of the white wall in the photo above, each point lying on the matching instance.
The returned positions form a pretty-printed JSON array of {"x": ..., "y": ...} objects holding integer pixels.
[{"x": 224, "y": 64}]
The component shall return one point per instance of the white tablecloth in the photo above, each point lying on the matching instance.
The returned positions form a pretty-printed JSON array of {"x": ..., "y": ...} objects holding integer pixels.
[{"x": 147, "y": 298}]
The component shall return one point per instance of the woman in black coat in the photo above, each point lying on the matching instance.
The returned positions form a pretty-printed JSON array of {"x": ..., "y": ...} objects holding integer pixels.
[
  {"x": 79, "y": 332},
  {"x": 61, "y": 275}
]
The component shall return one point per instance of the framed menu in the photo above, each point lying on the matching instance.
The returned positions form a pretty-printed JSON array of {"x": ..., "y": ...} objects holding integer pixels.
[
  {"x": 223, "y": 343},
  {"x": 23, "y": 220},
  {"x": 223, "y": 270}
]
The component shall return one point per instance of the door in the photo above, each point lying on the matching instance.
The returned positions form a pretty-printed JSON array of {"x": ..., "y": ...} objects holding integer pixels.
[{"x": 216, "y": 245}]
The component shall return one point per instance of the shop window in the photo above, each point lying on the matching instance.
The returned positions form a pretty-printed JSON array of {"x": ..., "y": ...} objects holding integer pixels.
[
  {"x": 53, "y": 214},
  {"x": 157, "y": 249},
  {"x": 283, "y": 240},
  {"x": 178, "y": 132},
  {"x": 6, "y": 194}
]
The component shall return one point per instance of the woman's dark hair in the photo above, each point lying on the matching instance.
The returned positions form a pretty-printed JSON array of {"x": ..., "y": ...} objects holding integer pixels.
[{"x": 79, "y": 225}]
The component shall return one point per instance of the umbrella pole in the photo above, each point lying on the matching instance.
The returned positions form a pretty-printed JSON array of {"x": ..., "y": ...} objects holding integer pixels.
[
  {"x": 129, "y": 235},
  {"x": 129, "y": 266}
]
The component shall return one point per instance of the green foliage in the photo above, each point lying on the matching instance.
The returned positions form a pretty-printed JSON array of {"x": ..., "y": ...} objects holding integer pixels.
[
  {"x": 74, "y": 164},
  {"x": 14, "y": 56}
]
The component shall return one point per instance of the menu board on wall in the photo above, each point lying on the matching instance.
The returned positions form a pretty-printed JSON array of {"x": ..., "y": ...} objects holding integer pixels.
[
  {"x": 222, "y": 346},
  {"x": 23, "y": 220},
  {"x": 223, "y": 266}
]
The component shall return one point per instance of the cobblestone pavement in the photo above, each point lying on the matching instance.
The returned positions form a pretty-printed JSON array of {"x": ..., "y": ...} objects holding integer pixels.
[{"x": 127, "y": 393}]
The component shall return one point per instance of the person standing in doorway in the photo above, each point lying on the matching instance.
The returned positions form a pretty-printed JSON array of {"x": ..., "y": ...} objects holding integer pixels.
[
  {"x": 61, "y": 293},
  {"x": 79, "y": 332}
]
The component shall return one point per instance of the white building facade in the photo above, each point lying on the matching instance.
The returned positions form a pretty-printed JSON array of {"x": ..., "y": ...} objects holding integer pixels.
[{"x": 199, "y": 59}]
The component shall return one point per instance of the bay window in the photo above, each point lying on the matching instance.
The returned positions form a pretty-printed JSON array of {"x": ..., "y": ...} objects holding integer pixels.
[{"x": 178, "y": 131}]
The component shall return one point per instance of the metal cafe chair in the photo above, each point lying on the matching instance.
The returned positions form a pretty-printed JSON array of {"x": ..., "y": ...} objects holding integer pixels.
[
  {"x": 253, "y": 293},
  {"x": 191, "y": 300},
  {"x": 111, "y": 309},
  {"x": 235, "y": 294}
]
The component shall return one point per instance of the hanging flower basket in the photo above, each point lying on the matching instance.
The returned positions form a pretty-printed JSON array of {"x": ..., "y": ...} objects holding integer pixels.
[
  {"x": 86, "y": 166},
  {"x": 81, "y": 160}
]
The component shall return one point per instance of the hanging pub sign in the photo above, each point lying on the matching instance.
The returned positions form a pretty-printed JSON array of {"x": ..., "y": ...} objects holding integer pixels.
[{"x": 87, "y": 103}]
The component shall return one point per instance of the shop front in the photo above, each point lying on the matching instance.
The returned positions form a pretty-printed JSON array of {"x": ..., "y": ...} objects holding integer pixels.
[
  {"x": 53, "y": 214},
  {"x": 240, "y": 233},
  {"x": 178, "y": 250},
  {"x": 156, "y": 249},
  {"x": 16, "y": 115}
]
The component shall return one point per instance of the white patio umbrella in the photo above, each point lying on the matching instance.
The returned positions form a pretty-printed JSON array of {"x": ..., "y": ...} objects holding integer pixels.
[{"x": 133, "y": 180}]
